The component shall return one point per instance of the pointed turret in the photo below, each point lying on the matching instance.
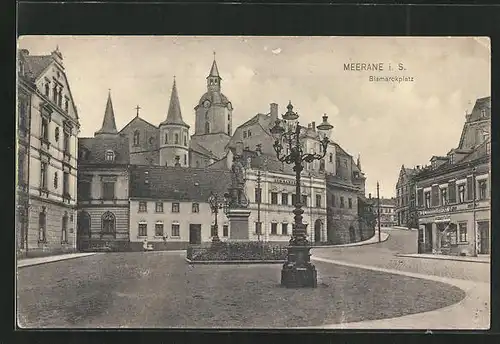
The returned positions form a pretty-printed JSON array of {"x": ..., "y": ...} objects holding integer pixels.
[
  {"x": 214, "y": 71},
  {"x": 108, "y": 124},
  {"x": 213, "y": 78},
  {"x": 174, "y": 115}
]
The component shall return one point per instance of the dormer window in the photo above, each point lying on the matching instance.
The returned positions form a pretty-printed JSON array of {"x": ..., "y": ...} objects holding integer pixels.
[
  {"x": 110, "y": 155},
  {"x": 483, "y": 112}
]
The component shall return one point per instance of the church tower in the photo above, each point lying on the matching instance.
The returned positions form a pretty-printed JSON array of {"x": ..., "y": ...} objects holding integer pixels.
[
  {"x": 108, "y": 128},
  {"x": 174, "y": 135},
  {"x": 214, "y": 112}
]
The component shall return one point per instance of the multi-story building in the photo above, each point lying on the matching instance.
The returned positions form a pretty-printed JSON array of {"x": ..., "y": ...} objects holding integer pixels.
[
  {"x": 387, "y": 212},
  {"x": 103, "y": 183},
  {"x": 169, "y": 206},
  {"x": 453, "y": 193},
  {"x": 406, "y": 212},
  {"x": 47, "y": 161}
]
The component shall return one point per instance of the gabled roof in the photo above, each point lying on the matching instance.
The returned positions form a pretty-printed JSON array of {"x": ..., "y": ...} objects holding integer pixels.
[
  {"x": 92, "y": 150},
  {"x": 108, "y": 123},
  {"x": 174, "y": 115},
  {"x": 138, "y": 119},
  {"x": 196, "y": 147},
  {"x": 38, "y": 64},
  {"x": 177, "y": 183}
]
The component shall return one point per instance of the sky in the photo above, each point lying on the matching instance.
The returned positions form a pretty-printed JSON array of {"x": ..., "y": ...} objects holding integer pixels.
[{"x": 387, "y": 123}]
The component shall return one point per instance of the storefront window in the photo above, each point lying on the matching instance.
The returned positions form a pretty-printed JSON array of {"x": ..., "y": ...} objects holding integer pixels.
[{"x": 462, "y": 231}]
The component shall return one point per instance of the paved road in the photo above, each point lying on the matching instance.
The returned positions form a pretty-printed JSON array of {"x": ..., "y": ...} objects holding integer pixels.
[{"x": 403, "y": 241}]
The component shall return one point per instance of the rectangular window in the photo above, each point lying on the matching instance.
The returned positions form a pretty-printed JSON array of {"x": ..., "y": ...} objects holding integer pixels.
[
  {"x": 43, "y": 175},
  {"x": 332, "y": 200},
  {"x": 349, "y": 202},
  {"x": 249, "y": 133},
  {"x": 84, "y": 190},
  {"x": 244, "y": 134},
  {"x": 482, "y": 190},
  {"x": 428, "y": 199},
  {"x": 435, "y": 195},
  {"x": 461, "y": 193},
  {"x": 159, "y": 207},
  {"x": 420, "y": 197},
  {"x": 195, "y": 208},
  {"x": 176, "y": 230},
  {"x": 176, "y": 139},
  {"x": 462, "y": 231},
  {"x": 274, "y": 198},
  {"x": 143, "y": 229},
  {"x": 108, "y": 190},
  {"x": 45, "y": 129},
  {"x": 274, "y": 228},
  {"x": 342, "y": 201},
  {"x": 318, "y": 201},
  {"x": 284, "y": 198},
  {"x": 65, "y": 184},
  {"x": 64, "y": 230},
  {"x": 175, "y": 207},
  {"x": 159, "y": 229},
  {"x": 452, "y": 192},
  {"x": 304, "y": 200},
  {"x": 470, "y": 191},
  {"x": 284, "y": 228},
  {"x": 20, "y": 168},
  {"x": 143, "y": 207},
  {"x": 23, "y": 116},
  {"x": 258, "y": 194},
  {"x": 225, "y": 230},
  {"x": 294, "y": 199},
  {"x": 444, "y": 196}
]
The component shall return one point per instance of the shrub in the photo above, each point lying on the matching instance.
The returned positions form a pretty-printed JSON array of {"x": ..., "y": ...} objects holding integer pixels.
[{"x": 250, "y": 250}]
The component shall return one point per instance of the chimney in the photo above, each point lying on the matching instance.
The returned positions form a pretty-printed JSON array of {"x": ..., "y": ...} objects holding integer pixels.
[
  {"x": 274, "y": 113},
  {"x": 370, "y": 196},
  {"x": 313, "y": 126},
  {"x": 308, "y": 125}
]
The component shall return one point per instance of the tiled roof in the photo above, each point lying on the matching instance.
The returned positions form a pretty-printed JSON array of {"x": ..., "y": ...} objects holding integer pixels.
[
  {"x": 177, "y": 183},
  {"x": 388, "y": 201},
  {"x": 214, "y": 98},
  {"x": 94, "y": 149},
  {"x": 37, "y": 64},
  {"x": 174, "y": 115},
  {"x": 108, "y": 123},
  {"x": 196, "y": 147}
]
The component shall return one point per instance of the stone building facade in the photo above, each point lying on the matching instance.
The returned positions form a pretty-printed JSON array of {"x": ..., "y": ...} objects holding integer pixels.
[
  {"x": 406, "y": 211},
  {"x": 453, "y": 192},
  {"x": 48, "y": 125},
  {"x": 103, "y": 184}
]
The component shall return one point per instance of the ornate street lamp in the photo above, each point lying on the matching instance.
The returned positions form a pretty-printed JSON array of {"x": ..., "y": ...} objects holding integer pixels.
[
  {"x": 216, "y": 202},
  {"x": 298, "y": 270}
]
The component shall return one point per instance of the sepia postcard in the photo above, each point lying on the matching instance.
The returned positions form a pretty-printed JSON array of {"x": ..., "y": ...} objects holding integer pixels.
[{"x": 233, "y": 182}]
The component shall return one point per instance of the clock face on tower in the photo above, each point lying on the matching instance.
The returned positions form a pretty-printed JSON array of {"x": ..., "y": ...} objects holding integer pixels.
[
  {"x": 206, "y": 103},
  {"x": 229, "y": 106}
]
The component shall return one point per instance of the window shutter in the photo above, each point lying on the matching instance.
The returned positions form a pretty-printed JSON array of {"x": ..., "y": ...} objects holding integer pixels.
[
  {"x": 469, "y": 189},
  {"x": 435, "y": 196},
  {"x": 420, "y": 197},
  {"x": 452, "y": 192}
]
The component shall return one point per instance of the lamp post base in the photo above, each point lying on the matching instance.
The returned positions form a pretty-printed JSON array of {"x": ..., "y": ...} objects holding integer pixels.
[{"x": 298, "y": 272}]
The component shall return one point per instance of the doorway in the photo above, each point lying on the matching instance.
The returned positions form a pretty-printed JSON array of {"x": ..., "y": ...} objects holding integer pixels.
[
  {"x": 83, "y": 231},
  {"x": 427, "y": 245},
  {"x": 194, "y": 234},
  {"x": 317, "y": 230},
  {"x": 484, "y": 237}
]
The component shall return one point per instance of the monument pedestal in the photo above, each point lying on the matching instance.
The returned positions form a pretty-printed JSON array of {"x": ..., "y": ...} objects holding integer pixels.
[
  {"x": 238, "y": 224},
  {"x": 298, "y": 272}
]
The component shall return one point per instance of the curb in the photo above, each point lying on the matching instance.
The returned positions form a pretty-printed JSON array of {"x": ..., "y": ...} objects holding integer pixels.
[
  {"x": 360, "y": 243},
  {"x": 214, "y": 262},
  {"x": 453, "y": 259},
  {"x": 55, "y": 260}
]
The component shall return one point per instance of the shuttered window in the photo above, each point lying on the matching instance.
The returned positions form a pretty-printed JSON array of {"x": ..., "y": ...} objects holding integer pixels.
[
  {"x": 435, "y": 196},
  {"x": 469, "y": 189},
  {"x": 452, "y": 192}
]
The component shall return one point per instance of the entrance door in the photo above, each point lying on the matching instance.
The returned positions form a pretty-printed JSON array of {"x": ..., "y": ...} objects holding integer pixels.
[
  {"x": 83, "y": 231},
  {"x": 317, "y": 230},
  {"x": 484, "y": 237},
  {"x": 428, "y": 238},
  {"x": 194, "y": 234}
]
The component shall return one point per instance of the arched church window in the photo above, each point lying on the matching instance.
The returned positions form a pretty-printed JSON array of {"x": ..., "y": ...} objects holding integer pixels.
[
  {"x": 207, "y": 128},
  {"x": 166, "y": 138},
  {"x": 331, "y": 157},
  {"x": 136, "y": 138},
  {"x": 108, "y": 223},
  {"x": 176, "y": 139},
  {"x": 185, "y": 141},
  {"x": 229, "y": 129}
]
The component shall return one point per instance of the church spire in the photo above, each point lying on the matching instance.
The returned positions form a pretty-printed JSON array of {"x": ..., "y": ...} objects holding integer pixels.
[
  {"x": 108, "y": 123},
  {"x": 213, "y": 78},
  {"x": 174, "y": 115}
]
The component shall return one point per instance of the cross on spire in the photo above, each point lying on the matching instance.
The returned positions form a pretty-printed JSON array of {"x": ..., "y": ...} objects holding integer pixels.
[{"x": 137, "y": 108}]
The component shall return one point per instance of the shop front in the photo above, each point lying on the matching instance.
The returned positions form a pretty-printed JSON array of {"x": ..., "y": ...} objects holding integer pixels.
[{"x": 450, "y": 230}]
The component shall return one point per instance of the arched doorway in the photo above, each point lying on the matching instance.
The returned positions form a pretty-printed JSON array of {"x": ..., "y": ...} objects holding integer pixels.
[
  {"x": 317, "y": 230},
  {"x": 83, "y": 230}
]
